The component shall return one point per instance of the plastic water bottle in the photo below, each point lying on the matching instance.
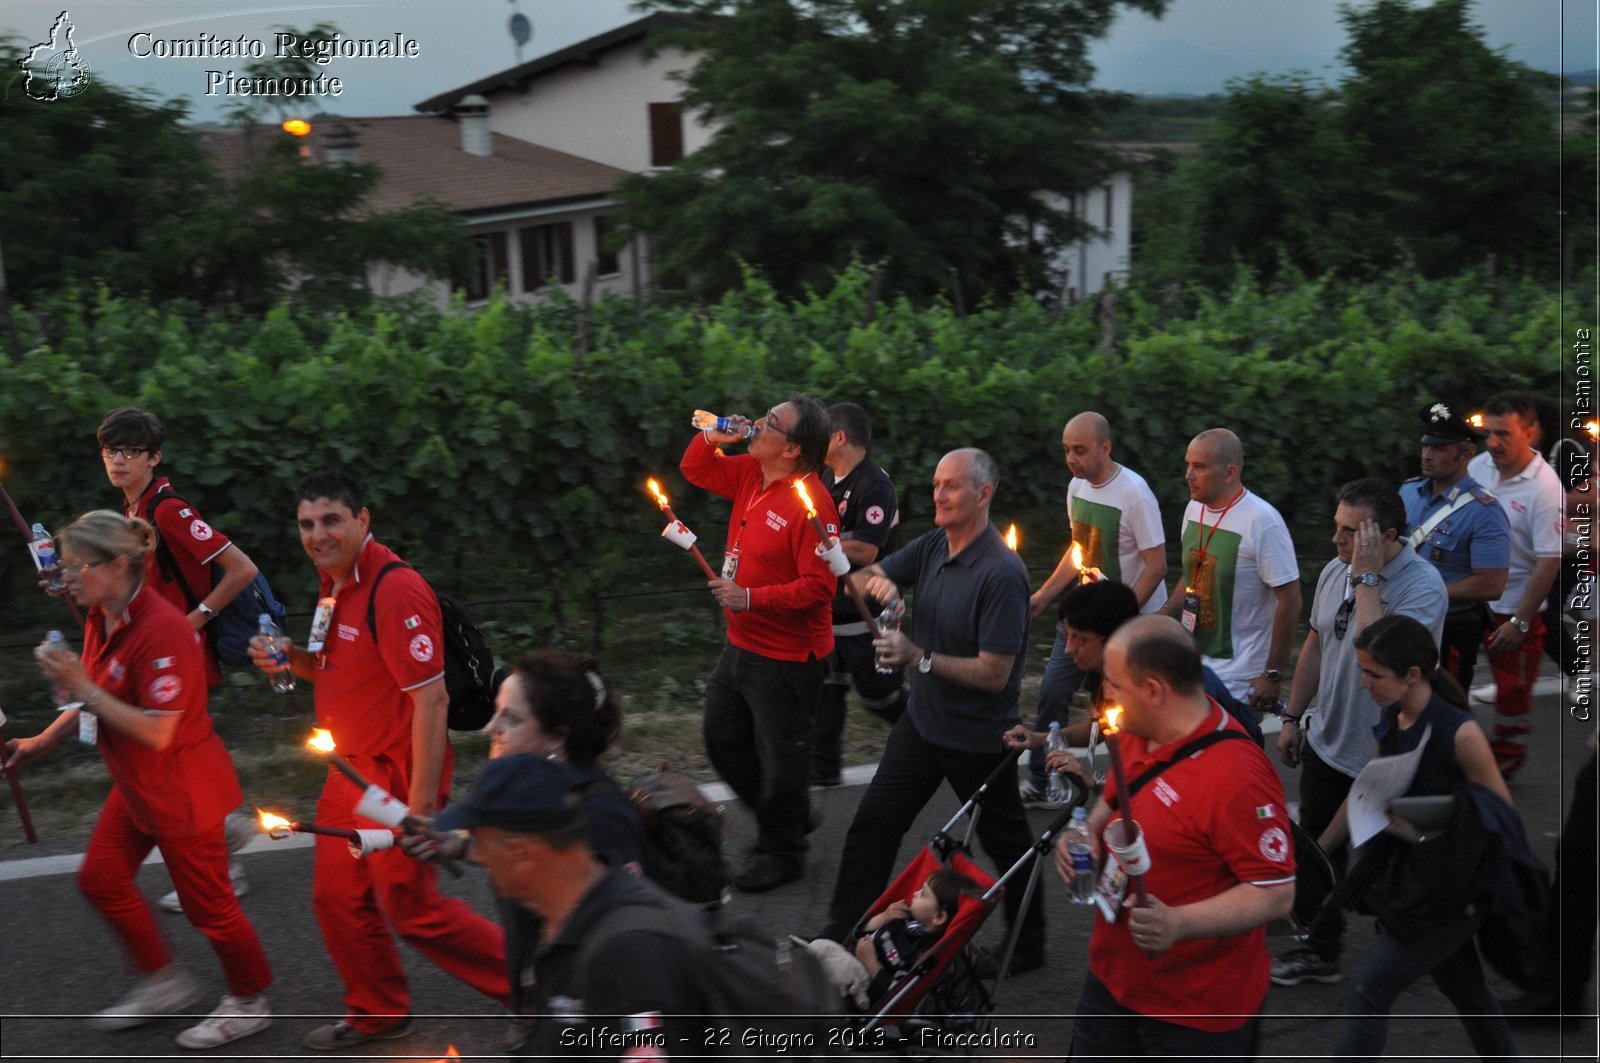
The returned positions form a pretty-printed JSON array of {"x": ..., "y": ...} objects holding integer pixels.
[
  {"x": 57, "y": 643},
  {"x": 1055, "y": 787},
  {"x": 704, "y": 419},
  {"x": 1082, "y": 854},
  {"x": 88, "y": 722},
  {"x": 49, "y": 564},
  {"x": 283, "y": 676},
  {"x": 889, "y": 624}
]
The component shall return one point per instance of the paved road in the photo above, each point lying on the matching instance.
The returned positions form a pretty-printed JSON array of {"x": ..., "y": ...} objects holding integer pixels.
[{"x": 57, "y": 963}]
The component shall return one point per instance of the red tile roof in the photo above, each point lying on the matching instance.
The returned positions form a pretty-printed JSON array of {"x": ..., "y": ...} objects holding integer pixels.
[{"x": 421, "y": 158}]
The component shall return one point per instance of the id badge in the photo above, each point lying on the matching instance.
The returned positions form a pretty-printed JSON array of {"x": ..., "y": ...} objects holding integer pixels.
[
  {"x": 88, "y": 728},
  {"x": 320, "y": 622},
  {"x": 730, "y": 563},
  {"x": 1191, "y": 610}
]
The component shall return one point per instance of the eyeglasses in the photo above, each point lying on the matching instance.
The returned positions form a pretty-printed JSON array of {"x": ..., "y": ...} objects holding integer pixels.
[
  {"x": 76, "y": 569},
  {"x": 130, "y": 453},
  {"x": 772, "y": 423},
  {"x": 1341, "y": 619}
]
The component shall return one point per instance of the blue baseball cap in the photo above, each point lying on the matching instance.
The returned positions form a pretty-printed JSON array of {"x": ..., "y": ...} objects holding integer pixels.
[{"x": 522, "y": 792}]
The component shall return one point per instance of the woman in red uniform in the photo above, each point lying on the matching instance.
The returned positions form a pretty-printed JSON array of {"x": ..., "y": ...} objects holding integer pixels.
[{"x": 143, "y": 679}]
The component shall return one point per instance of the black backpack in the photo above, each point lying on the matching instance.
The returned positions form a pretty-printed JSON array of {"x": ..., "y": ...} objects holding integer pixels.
[
  {"x": 754, "y": 979},
  {"x": 235, "y": 623},
  {"x": 470, "y": 677},
  {"x": 683, "y": 832}
]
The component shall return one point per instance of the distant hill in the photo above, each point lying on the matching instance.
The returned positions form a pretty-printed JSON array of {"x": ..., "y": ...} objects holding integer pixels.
[{"x": 1583, "y": 77}]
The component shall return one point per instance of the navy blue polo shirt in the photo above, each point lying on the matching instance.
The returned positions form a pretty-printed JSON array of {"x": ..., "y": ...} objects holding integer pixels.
[
  {"x": 975, "y": 601},
  {"x": 1474, "y": 536}
]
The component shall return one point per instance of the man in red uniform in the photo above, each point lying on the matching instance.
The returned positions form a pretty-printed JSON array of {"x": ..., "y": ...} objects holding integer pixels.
[
  {"x": 179, "y": 568},
  {"x": 778, "y": 596},
  {"x": 381, "y": 694},
  {"x": 1185, "y": 975}
]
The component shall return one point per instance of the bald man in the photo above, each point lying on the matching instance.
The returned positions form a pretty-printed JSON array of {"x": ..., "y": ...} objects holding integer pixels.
[
  {"x": 1185, "y": 975},
  {"x": 1116, "y": 525},
  {"x": 1240, "y": 596}
]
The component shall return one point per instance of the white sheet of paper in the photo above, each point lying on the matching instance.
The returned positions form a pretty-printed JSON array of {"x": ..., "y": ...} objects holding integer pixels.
[{"x": 1380, "y": 782}]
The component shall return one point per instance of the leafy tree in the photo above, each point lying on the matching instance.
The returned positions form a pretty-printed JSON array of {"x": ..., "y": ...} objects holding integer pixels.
[
  {"x": 1451, "y": 136},
  {"x": 1276, "y": 183},
  {"x": 112, "y": 187},
  {"x": 1435, "y": 151},
  {"x": 99, "y": 185},
  {"x": 920, "y": 133}
]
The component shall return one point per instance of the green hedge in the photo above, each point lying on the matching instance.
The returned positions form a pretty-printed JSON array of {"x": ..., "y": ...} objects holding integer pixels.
[{"x": 504, "y": 465}]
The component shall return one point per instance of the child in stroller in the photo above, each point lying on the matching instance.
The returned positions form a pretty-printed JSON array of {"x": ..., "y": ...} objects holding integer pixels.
[{"x": 892, "y": 940}]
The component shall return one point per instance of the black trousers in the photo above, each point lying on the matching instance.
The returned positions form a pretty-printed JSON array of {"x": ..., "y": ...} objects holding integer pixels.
[
  {"x": 909, "y": 774},
  {"x": 1323, "y": 789},
  {"x": 757, "y": 730}
]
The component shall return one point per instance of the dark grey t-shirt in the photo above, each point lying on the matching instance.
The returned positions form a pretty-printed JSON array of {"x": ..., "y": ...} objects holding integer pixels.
[{"x": 975, "y": 601}]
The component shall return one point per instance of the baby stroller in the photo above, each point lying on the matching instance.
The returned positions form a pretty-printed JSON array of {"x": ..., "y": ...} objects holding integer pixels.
[{"x": 942, "y": 996}]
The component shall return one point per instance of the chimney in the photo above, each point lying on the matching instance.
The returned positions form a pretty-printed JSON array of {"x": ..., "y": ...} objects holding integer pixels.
[
  {"x": 473, "y": 114},
  {"x": 341, "y": 145}
]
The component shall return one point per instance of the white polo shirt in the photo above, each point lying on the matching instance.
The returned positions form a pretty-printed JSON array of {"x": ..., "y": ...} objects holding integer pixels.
[{"x": 1535, "y": 505}]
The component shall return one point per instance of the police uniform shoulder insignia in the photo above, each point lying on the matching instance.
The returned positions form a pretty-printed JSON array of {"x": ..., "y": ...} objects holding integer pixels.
[{"x": 1482, "y": 494}]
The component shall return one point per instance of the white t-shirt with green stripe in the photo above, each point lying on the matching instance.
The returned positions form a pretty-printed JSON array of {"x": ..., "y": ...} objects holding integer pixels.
[{"x": 1121, "y": 512}]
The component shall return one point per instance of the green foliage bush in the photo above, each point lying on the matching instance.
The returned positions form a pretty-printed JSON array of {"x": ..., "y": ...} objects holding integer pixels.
[{"x": 505, "y": 466}]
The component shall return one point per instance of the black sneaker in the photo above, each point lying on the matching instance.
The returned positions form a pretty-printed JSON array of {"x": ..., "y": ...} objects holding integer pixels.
[
  {"x": 766, "y": 871},
  {"x": 1304, "y": 965}
]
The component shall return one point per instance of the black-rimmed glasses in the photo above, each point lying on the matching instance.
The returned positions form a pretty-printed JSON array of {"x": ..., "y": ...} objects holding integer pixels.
[
  {"x": 131, "y": 453},
  {"x": 1341, "y": 619}
]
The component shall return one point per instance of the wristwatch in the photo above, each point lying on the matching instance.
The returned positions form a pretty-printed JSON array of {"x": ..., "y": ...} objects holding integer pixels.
[
  {"x": 1369, "y": 578},
  {"x": 925, "y": 666},
  {"x": 1273, "y": 675},
  {"x": 206, "y": 611},
  {"x": 1521, "y": 625}
]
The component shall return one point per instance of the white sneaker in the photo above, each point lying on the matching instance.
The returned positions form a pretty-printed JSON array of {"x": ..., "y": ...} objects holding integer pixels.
[
  {"x": 236, "y": 876},
  {"x": 1484, "y": 695},
  {"x": 150, "y": 998},
  {"x": 240, "y": 831},
  {"x": 232, "y": 1019}
]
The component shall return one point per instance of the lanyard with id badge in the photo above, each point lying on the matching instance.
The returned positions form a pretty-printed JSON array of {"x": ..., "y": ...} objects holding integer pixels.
[{"x": 1191, "y": 591}]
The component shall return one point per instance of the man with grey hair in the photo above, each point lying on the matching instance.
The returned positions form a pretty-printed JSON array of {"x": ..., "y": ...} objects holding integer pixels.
[
  {"x": 965, "y": 650},
  {"x": 1240, "y": 596}
]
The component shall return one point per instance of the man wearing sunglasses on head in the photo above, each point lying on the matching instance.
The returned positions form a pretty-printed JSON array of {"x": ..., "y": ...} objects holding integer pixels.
[{"x": 1376, "y": 574}]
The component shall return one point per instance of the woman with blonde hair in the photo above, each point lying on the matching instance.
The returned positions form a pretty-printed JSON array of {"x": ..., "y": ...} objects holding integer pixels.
[{"x": 142, "y": 676}]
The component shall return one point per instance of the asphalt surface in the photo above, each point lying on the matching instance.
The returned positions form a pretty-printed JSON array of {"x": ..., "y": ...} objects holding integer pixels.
[{"x": 59, "y": 964}]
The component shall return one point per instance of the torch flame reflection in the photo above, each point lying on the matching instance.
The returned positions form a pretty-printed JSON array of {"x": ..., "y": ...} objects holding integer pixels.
[
  {"x": 1011, "y": 537},
  {"x": 655, "y": 489},
  {"x": 321, "y": 740},
  {"x": 805, "y": 498}
]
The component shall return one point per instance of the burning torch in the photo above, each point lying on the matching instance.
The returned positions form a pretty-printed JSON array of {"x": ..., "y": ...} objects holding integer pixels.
[
  {"x": 376, "y": 804},
  {"x": 831, "y": 550},
  {"x": 676, "y": 531}
]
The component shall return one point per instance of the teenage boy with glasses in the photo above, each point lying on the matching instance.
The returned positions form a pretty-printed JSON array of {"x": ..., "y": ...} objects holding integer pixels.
[{"x": 130, "y": 445}]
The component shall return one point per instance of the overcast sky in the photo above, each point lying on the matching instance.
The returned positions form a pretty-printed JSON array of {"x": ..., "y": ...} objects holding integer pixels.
[{"x": 1195, "y": 48}]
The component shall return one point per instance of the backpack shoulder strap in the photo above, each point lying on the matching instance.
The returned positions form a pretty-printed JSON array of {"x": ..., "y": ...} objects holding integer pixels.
[
  {"x": 650, "y": 915},
  {"x": 168, "y": 565},
  {"x": 372, "y": 599},
  {"x": 1188, "y": 749}
]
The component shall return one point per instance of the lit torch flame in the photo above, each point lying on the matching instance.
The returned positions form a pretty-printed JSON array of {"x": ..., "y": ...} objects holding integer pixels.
[
  {"x": 449, "y": 1054},
  {"x": 321, "y": 740},
  {"x": 1112, "y": 714},
  {"x": 1077, "y": 557},
  {"x": 1476, "y": 420},
  {"x": 1011, "y": 538},
  {"x": 805, "y": 498},
  {"x": 655, "y": 489},
  {"x": 276, "y": 826},
  {"x": 1593, "y": 428}
]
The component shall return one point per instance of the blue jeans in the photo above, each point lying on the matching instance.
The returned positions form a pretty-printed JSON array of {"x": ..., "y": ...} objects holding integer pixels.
[
  {"x": 1448, "y": 953},
  {"x": 1104, "y": 1029},
  {"x": 1062, "y": 678}
]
